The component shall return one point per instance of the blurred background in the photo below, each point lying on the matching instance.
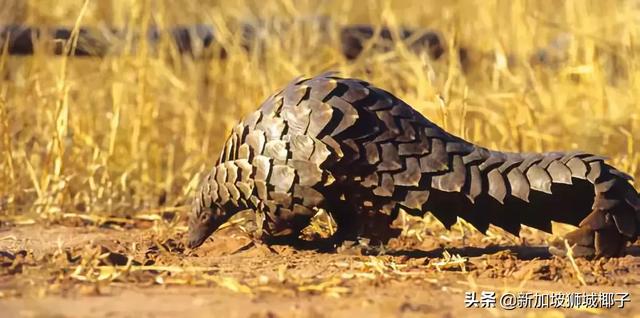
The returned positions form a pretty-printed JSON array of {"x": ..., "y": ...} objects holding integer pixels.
[{"x": 116, "y": 108}]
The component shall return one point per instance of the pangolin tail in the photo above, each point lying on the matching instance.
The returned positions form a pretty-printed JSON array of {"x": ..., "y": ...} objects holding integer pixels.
[{"x": 513, "y": 189}]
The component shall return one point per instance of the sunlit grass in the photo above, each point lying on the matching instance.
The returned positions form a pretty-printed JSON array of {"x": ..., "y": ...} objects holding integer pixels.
[{"x": 131, "y": 134}]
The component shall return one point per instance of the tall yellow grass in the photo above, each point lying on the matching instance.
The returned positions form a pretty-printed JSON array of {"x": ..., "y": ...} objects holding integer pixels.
[{"x": 132, "y": 133}]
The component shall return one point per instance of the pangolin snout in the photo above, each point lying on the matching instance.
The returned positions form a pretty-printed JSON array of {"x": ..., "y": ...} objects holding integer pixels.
[{"x": 199, "y": 232}]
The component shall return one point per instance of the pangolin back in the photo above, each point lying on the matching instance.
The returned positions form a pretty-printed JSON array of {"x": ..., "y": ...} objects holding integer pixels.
[{"x": 359, "y": 152}]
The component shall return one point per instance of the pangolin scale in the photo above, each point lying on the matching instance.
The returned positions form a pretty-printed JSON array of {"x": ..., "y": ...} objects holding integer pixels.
[{"x": 362, "y": 154}]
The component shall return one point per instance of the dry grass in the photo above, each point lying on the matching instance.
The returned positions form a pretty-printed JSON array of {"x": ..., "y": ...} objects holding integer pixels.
[
  {"x": 127, "y": 137},
  {"x": 124, "y": 140}
]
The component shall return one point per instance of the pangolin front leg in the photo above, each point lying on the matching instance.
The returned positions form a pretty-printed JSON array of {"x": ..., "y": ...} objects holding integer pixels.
[{"x": 358, "y": 151}]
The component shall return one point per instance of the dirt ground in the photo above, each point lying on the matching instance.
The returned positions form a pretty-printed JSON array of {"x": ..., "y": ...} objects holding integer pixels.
[{"x": 88, "y": 271}]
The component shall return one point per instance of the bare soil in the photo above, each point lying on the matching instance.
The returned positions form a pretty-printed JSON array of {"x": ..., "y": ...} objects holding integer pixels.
[{"x": 62, "y": 271}]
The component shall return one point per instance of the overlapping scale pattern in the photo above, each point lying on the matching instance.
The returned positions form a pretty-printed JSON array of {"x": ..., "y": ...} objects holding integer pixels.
[{"x": 357, "y": 151}]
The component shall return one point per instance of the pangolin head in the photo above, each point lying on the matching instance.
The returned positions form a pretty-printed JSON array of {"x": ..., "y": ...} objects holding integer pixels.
[{"x": 203, "y": 221}]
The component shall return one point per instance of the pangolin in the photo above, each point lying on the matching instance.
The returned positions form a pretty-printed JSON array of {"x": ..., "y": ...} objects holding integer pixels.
[{"x": 362, "y": 154}]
